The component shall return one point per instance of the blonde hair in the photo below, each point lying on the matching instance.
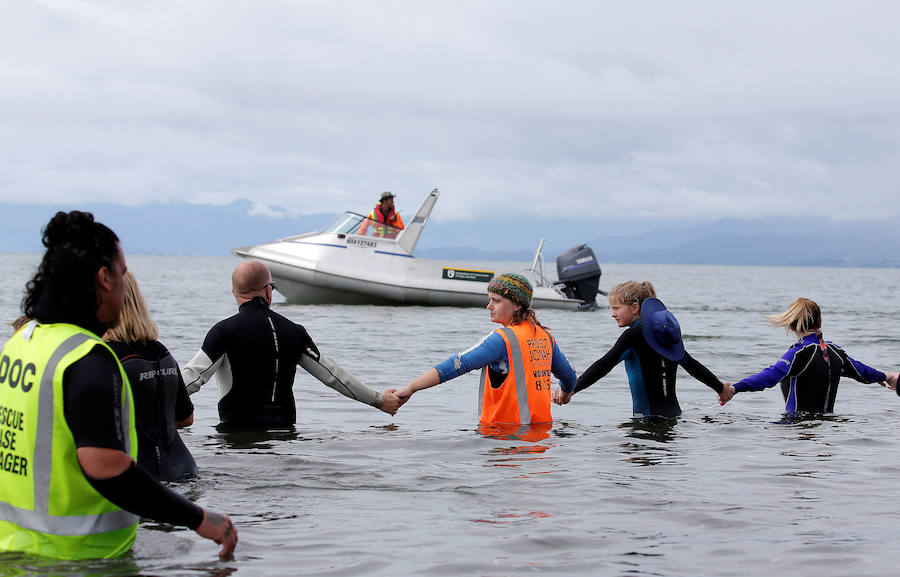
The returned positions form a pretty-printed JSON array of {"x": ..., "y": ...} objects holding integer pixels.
[
  {"x": 134, "y": 324},
  {"x": 20, "y": 322},
  {"x": 802, "y": 317},
  {"x": 631, "y": 292}
]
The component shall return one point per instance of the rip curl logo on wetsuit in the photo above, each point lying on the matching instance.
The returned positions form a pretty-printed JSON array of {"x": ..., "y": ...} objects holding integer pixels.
[{"x": 148, "y": 375}]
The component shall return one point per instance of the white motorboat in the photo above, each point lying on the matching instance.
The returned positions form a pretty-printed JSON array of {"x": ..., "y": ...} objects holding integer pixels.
[{"x": 356, "y": 260}]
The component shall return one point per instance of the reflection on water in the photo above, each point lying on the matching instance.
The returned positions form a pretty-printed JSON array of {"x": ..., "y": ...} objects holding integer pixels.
[
  {"x": 239, "y": 438},
  {"x": 516, "y": 455},
  {"x": 22, "y": 565},
  {"x": 510, "y": 432},
  {"x": 810, "y": 420},
  {"x": 513, "y": 516},
  {"x": 655, "y": 429}
]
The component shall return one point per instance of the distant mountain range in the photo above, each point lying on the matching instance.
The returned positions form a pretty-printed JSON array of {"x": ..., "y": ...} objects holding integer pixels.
[{"x": 192, "y": 229}]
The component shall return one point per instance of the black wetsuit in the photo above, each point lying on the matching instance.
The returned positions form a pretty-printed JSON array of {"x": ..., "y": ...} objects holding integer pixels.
[
  {"x": 650, "y": 376},
  {"x": 262, "y": 350},
  {"x": 809, "y": 373},
  {"x": 160, "y": 400}
]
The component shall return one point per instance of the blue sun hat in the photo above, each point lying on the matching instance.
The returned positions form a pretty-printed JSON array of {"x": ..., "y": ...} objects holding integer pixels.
[{"x": 661, "y": 329}]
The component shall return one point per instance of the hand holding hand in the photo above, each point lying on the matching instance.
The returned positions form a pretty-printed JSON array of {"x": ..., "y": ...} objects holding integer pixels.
[
  {"x": 405, "y": 393},
  {"x": 726, "y": 394},
  {"x": 220, "y": 529},
  {"x": 392, "y": 401},
  {"x": 561, "y": 398},
  {"x": 891, "y": 380}
]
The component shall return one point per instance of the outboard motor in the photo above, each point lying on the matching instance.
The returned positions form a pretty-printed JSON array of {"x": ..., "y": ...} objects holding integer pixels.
[{"x": 579, "y": 273}]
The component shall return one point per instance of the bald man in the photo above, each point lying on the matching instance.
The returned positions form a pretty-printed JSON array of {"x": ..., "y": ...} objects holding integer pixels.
[{"x": 254, "y": 356}]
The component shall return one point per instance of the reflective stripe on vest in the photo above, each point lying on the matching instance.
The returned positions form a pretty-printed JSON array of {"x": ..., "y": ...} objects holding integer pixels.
[
  {"x": 40, "y": 518},
  {"x": 518, "y": 375}
]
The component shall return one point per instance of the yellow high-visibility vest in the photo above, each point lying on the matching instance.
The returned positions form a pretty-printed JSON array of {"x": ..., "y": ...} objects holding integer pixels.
[{"x": 47, "y": 506}]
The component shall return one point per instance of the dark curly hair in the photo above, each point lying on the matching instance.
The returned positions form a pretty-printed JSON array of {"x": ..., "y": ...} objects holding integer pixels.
[{"x": 77, "y": 247}]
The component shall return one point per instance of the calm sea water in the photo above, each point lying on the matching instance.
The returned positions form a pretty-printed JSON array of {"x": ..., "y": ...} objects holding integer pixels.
[{"x": 721, "y": 491}]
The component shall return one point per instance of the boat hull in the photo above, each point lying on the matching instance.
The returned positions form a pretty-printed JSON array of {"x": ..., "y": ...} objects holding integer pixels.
[{"x": 319, "y": 273}]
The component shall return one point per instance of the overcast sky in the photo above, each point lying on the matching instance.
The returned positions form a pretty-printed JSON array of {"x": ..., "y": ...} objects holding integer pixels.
[{"x": 582, "y": 109}]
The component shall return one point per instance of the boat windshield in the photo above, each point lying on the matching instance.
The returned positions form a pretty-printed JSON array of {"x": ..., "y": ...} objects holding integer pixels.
[{"x": 352, "y": 223}]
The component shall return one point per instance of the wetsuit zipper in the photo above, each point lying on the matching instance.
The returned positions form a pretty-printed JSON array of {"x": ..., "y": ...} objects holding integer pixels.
[{"x": 277, "y": 354}]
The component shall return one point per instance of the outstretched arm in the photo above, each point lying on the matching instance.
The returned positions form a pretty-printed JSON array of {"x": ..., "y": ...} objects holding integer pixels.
[
  {"x": 426, "y": 380},
  {"x": 198, "y": 371},
  {"x": 206, "y": 362},
  {"x": 490, "y": 349},
  {"x": 856, "y": 370},
  {"x": 326, "y": 370},
  {"x": 701, "y": 373},
  {"x": 605, "y": 364},
  {"x": 768, "y": 377}
]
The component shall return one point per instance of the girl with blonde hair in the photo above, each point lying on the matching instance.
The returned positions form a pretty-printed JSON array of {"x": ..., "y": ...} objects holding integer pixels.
[
  {"x": 809, "y": 372},
  {"x": 652, "y": 349},
  {"x": 161, "y": 401}
]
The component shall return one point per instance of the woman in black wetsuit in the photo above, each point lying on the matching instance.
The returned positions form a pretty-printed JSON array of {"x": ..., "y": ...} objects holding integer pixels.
[
  {"x": 810, "y": 371},
  {"x": 161, "y": 402},
  {"x": 652, "y": 350}
]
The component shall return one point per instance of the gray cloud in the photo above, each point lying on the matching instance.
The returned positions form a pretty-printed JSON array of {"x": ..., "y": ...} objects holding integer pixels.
[{"x": 670, "y": 110}]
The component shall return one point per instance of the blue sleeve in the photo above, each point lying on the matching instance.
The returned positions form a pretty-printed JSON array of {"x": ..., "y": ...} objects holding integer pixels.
[
  {"x": 768, "y": 377},
  {"x": 562, "y": 370},
  {"x": 866, "y": 373},
  {"x": 856, "y": 370},
  {"x": 491, "y": 350}
]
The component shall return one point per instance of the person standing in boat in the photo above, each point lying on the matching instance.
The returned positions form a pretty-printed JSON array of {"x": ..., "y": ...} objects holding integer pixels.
[
  {"x": 254, "y": 356},
  {"x": 810, "y": 371},
  {"x": 161, "y": 401},
  {"x": 383, "y": 214},
  {"x": 516, "y": 361},
  {"x": 652, "y": 349}
]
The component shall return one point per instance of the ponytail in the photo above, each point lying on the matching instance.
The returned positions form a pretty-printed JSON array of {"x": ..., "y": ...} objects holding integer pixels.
[
  {"x": 802, "y": 317},
  {"x": 631, "y": 292}
]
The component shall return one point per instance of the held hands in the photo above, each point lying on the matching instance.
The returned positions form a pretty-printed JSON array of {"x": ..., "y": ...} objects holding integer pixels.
[
  {"x": 891, "y": 380},
  {"x": 220, "y": 529},
  {"x": 392, "y": 402},
  {"x": 726, "y": 394},
  {"x": 405, "y": 393},
  {"x": 561, "y": 398}
]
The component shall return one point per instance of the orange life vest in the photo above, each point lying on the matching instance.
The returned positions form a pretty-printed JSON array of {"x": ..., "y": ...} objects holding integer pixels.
[
  {"x": 524, "y": 396},
  {"x": 393, "y": 219}
]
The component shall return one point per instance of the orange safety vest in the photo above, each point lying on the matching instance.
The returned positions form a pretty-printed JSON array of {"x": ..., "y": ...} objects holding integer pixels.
[
  {"x": 524, "y": 396},
  {"x": 393, "y": 218}
]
